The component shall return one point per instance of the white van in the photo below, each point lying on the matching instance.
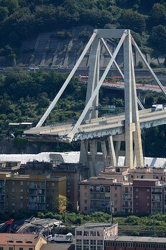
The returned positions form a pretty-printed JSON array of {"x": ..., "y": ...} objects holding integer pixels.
[{"x": 157, "y": 107}]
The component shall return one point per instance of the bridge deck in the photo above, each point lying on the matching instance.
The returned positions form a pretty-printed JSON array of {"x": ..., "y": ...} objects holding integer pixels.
[{"x": 95, "y": 128}]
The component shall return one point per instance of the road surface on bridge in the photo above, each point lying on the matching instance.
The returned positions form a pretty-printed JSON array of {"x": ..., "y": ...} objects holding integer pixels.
[{"x": 94, "y": 128}]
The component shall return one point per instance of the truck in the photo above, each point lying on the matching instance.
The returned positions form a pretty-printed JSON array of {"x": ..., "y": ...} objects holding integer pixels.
[
  {"x": 60, "y": 238},
  {"x": 157, "y": 107}
]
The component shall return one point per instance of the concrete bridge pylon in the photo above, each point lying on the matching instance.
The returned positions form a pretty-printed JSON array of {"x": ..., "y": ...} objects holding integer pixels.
[
  {"x": 107, "y": 146},
  {"x": 132, "y": 135}
]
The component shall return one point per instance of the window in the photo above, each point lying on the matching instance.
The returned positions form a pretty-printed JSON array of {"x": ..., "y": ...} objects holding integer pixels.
[
  {"x": 78, "y": 241},
  {"x": 92, "y": 242},
  {"x": 85, "y": 242},
  {"x": 79, "y": 232},
  {"x": 20, "y": 248},
  {"x": 85, "y": 201},
  {"x": 85, "y": 247},
  {"x": 85, "y": 208},
  {"x": 86, "y": 233},
  {"x": 53, "y": 184},
  {"x": 10, "y": 248},
  {"x": 99, "y": 242},
  {"x": 1, "y": 248},
  {"x": 92, "y": 233},
  {"x": 12, "y": 189},
  {"x": 21, "y": 190},
  {"x": 21, "y": 182},
  {"x": 30, "y": 248}
]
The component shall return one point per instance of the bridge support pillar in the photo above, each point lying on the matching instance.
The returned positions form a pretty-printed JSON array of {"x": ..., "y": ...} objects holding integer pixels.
[
  {"x": 112, "y": 153},
  {"x": 132, "y": 125},
  {"x": 93, "y": 153},
  {"x": 138, "y": 145},
  {"x": 84, "y": 153}
]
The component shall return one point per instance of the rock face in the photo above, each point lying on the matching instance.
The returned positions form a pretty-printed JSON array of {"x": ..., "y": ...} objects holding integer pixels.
[
  {"x": 61, "y": 50},
  {"x": 56, "y": 50}
]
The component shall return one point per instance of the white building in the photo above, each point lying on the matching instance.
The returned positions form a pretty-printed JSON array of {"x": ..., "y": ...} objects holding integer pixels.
[{"x": 91, "y": 236}]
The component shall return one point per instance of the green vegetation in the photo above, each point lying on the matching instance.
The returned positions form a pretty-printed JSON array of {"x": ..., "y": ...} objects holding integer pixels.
[
  {"x": 22, "y": 20},
  {"x": 154, "y": 225},
  {"x": 25, "y": 97}
]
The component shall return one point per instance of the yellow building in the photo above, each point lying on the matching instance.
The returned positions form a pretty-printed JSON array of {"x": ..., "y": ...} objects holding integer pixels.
[{"x": 32, "y": 192}]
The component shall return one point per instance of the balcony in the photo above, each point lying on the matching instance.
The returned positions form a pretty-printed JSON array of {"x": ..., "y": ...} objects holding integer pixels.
[
  {"x": 126, "y": 197},
  {"x": 36, "y": 206},
  {"x": 156, "y": 209},
  {"x": 36, "y": 192},
  {"x": 39, "y": 199},
  {"x": 156, "y": 200}
]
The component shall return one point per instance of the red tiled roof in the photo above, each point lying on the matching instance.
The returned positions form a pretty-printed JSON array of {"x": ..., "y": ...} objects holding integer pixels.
[{"x": 19, "y": 239}]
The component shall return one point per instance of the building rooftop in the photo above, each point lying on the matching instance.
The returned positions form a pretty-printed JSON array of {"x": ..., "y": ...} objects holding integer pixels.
[
  {"x": 58, "y": 246},
  {"x": 19, "y": 239},
  {"x": 138, "y": 239},
  {"x": 94, "y": 226},
  {"x": 71, "y": 157},
  {"x": 38, "y": 225},
  {"x": 147, "y": 179}
]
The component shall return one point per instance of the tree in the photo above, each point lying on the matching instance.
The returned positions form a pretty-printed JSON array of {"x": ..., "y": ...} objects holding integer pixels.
[
  {"x": 157, "y": 38},
  {"x": 56, "y": 204},
  {"x": 11, "y": 5},
  {"x": 3, "y": 13},
  {"x": 158, "y": 14},
  {"x": 132, "y": 20},
  {"x": 14, "y": 40}
]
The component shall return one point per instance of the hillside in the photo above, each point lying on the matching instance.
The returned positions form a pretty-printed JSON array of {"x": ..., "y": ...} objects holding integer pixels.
[
  {"x": 51, "y": 36},
  {"x": 25, "y": 27}
]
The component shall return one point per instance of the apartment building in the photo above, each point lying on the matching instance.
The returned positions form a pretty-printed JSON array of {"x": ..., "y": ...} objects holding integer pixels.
[
  {"x": 148, "y": 196},
  {"x": 31, "y": 193},
  {"x": 127, "y": 198},
  {"x": 73, "y": 172},
  {"x": 105, "y": 194},
  {"x": 121, "y": 173},
  {"x": 21, "y": 241},
  {"x": 100, "y": 194},
  {"x": 147, "y": 173},
  {"x": 91, "y": 236}
]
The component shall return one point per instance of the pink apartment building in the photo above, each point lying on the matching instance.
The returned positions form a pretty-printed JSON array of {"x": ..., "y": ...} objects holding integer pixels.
[{"x": 100, "y": 194}]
